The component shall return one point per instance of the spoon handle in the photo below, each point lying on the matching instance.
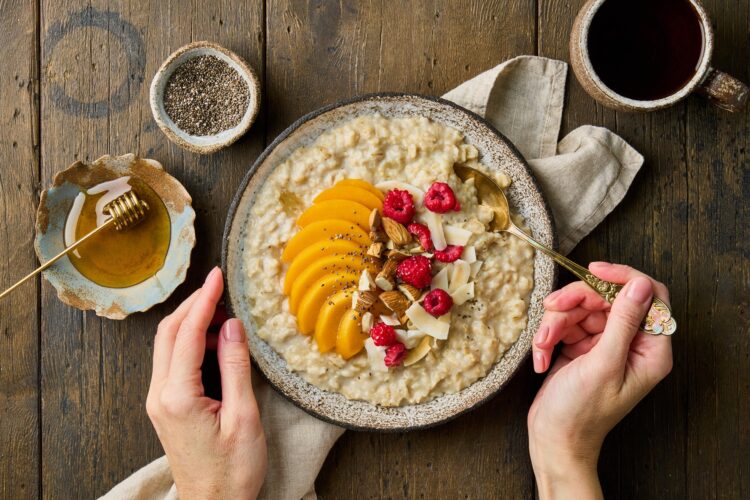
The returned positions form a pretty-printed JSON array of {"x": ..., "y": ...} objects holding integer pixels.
[
  {"x": 57, "y": 257},
  {"x": 658, "y": 321}
]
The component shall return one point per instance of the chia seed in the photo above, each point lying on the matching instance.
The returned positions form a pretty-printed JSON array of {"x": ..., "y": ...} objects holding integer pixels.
[{"x": 205, "y": 96}]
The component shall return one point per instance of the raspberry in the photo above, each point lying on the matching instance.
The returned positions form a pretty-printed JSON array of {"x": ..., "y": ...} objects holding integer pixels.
[
  {"x": 422, "y": 233},
  {"x": 395, "y": 354},
  {"x": 399, "y": 206},
  {"x": 437, "y": 302},
  {"x": 383, "y": 335},
  {"x": 416, "y": 271},
  {"x": 450, "y": 253},
  {"x": 440, "y": 198}
]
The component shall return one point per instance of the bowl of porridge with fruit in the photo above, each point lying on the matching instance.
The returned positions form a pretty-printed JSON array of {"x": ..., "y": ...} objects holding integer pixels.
[{"x": 374, "y": 295}]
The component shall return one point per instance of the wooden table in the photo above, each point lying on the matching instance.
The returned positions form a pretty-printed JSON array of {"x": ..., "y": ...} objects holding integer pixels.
[{"x": 74, "y": 85}]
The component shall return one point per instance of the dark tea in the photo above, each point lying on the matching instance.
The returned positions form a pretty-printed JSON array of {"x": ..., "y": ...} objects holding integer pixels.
[{"x": 646, "y": 49}]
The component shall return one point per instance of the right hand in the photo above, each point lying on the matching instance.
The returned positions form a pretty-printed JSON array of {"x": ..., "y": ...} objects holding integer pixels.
[{"x": 605, "y": 366}]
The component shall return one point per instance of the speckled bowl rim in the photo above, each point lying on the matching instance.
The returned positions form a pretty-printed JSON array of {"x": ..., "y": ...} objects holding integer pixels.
[
  {"x": 306, "y": 400},
  {"x": 700, "y": 74},
  {"x": 224, "y": 138},
  {"x": 78, "y": 291}
]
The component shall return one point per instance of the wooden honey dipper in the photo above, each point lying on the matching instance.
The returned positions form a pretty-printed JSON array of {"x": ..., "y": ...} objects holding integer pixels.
[{"x": 124, "y": 212}]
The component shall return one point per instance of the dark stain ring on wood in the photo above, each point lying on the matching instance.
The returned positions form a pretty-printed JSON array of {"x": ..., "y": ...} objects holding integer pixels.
[{"x": 131, "y": 41}]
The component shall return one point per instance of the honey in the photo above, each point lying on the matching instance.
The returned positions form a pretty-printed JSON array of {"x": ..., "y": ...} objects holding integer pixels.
[{"x": 118, "y": 259}]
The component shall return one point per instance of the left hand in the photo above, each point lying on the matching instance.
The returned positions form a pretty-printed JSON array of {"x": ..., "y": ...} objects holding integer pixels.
[{"x": 215, "y": 449}]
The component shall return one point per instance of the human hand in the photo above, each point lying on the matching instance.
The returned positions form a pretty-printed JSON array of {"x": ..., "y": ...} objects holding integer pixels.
[
  {"x": 604, "y": 368},
  {"x": 215, "y": 449}
]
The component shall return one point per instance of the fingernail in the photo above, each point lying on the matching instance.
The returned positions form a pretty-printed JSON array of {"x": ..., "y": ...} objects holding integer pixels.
[
  {"x": 639, "y": 289},
  {"x": 541, "y": 335},
  {"x": 552, "y": 296},
  {"x": 233, "y": 331},
  {"x": 211, "y": 274},
  {"x": 538, "y": 361},
  {"x": 598, "y": 263}
]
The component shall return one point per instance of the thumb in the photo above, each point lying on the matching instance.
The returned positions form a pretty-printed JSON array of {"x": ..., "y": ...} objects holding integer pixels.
[
  {"x": 625, "y": 318},
  {"x": 234, "y": 365}
]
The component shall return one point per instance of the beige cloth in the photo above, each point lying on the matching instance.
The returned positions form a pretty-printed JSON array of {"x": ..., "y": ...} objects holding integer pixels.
[{"x": 584, "y": 177}]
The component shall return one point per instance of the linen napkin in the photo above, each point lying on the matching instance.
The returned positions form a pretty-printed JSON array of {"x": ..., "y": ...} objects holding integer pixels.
[{"x": 584, "y": 177}]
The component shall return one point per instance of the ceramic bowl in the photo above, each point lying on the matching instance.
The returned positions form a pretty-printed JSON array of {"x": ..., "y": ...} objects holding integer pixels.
[
  {"x": 76, "y": 290},
  {"x": 209, "y": 143},
  {"x": 496, "y": 152}
]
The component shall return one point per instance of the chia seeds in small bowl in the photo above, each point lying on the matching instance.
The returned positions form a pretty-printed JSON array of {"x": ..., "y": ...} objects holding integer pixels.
[{"x": 204, "y": 97}]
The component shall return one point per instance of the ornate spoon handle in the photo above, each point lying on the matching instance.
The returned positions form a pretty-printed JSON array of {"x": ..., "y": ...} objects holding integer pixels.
[{"x": 658, "y": 321}]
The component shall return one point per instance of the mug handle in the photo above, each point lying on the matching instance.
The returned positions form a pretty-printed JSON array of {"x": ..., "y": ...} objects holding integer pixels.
[{"x": 723, "y": 90}]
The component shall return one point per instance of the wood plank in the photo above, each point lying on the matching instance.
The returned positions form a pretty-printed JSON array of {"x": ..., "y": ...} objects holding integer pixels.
[
  {"x": 646, "y": 231},
  {"x": 95, "y": 372},
  {"x": 320, "y": 52},
  {"x": 718, "y": 344},
  {"x": 19, "y": 312}
]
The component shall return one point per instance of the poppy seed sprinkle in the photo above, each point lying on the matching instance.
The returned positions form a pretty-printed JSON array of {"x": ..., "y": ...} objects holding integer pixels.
[{"x": 205, "y": 96}]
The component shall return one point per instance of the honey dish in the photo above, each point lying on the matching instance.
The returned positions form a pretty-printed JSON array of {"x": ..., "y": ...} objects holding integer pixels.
[{"x": 115, "y": 273}]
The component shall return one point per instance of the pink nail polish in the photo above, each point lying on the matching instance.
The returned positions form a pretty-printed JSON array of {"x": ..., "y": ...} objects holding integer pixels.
[
  {"x": 233, "y": 331},
  {"x": 538, "y": 362}
]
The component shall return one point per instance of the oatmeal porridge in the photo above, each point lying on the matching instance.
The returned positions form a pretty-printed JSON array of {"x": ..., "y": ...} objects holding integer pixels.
[{"x": 370, "y": 269}]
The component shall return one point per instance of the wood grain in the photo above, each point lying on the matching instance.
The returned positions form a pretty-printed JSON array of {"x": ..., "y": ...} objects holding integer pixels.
[
  {"x": 95, "y": 373},
  {"x": 19, "y": 312}
]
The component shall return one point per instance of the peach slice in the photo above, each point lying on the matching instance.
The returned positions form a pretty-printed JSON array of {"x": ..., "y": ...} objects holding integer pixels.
[
  {"x": 336, "y": 209},
  {"x": 350, "y": 339},
  {"x": 351, "y": 193},
  {"x": 334, "y": 264},
  {"x": 318, "y": 251},
  {"x": 309, "y": 307},
  {"x": 327, "y": 325},
  {"x": 324, "y": 230},
  {"x": 364, "y": 185}
]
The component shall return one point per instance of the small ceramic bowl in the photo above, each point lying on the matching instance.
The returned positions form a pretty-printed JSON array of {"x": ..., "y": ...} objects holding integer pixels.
[
  {"x": 76, "y": 290},
  {"x": 208, "y": 143}
]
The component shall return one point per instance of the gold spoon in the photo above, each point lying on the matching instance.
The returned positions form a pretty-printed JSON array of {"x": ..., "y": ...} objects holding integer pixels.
[
  {"x": 124, "y": 211},
  {"x": 659, "y": 320}
]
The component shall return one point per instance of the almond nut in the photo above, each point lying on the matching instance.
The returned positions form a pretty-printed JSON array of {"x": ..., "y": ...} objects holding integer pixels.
[
  {"x": 375, "y": 250},
  {"x": 385, "y": 283},
  {"x": 378, "y": 236},
  {"x": 395, "y": 301},
  {"x": 366, "y": 281},
  {"x": 368, "y": 321},
  {"x": 363, "y": 301},
  {"x": 396, "y": 231},
  {"x": 398, "y": 255},
  {"x": 410, "y": 291},
  {"x": 389, "y": 268},
  {"x": 375, "y": 220}
]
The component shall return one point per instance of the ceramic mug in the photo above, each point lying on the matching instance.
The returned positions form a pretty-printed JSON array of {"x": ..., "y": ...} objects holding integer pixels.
[{"x": 721, "y": 89}]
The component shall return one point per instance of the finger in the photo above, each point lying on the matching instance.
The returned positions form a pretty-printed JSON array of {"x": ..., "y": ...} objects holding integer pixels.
[
  {"x": 190, "y": 344},
  {"x": 577, "y": 294},
  {"x": 628, "y": 311},
  {"x": 554, "y": 328},
  {"x": 581, "y": 347},
  {"x": 559, "y": 325},
  {"x": 234, "y": 364},
  {"x": 165, "y": 336},
  {"x": 620, "y": 273},
  {"x": 595, "y": 322}
]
